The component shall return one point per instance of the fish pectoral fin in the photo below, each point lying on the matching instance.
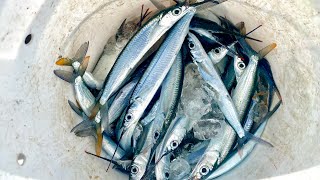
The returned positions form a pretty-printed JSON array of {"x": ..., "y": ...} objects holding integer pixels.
[
  {"x": 263, "y": 52},
  {"x": 65, "y": 75}
]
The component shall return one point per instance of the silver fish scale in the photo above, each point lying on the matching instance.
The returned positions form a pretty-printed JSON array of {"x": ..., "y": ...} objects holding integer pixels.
[
  {"x": 129, "y": 59},
  {"x": 155, "y": 74},
  {"x": 84, "y": 96},
  {"x": 171, "y": 87},
  {"x": 160, "y": 66}
]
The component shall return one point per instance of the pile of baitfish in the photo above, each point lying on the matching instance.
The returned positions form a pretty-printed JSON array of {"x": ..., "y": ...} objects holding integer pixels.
[{"x": 139, "y": 111}]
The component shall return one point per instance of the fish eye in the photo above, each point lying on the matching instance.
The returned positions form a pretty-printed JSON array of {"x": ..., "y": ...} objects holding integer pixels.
[
  {"x": 210, "y": 31},
  {"x": 191, "y": 45},
  {"x": 156, "y": 135},
  {"x": 128, "y": 117},
  {"x": 217, "y": 50},
  {"x": 166, "y": 174},
  {"x": 241, "y": 65},
  {"x": 204, "y": 170},
  {"x": 174, "y": 144},
  {"x": 134, "y": 169},
  {"x": 176, "y": 11}
]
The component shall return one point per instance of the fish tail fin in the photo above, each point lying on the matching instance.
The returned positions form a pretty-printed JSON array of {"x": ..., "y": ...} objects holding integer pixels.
[
  {"x": 65, "y": 75},
  {"x": 267, "y": 116},
  {"x": 278, "y": 93},
  {"x": 267, "y": 73},
  {"x": 64, "y": 62},
  {"x": 263, "y": 52},
  {"x": 120, "y": 30},
  {"x": 85, "y": 128},
  {"x": 271, "y": 90},
  {"x": 248, "y": 136},
  {"x": 79, "y": 56},
  {"x": 81, "y": 52},
  {"x": 75, "y": 108},
  {"x": 241, "y": 27},
  {"x": 83, "y": 66}
]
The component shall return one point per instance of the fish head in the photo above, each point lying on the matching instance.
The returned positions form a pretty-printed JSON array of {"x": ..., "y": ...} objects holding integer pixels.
[
  {"x": 174, "y": 135},
  {"x": 133, "y": 115},
  {"x": 138, "y": 167},
  {"x": 173, "y": 143},
  {"x": 172, "y": 15},
  {"x": 162, "y": 169},
  {"x": 205, "y": 165},
  {"x": 239, "y": 65},
  {"x": 195, "y": 48}
]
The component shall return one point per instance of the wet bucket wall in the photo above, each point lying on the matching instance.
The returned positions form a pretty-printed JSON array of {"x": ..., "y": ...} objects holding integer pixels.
[{"x": 35, "y": 119}]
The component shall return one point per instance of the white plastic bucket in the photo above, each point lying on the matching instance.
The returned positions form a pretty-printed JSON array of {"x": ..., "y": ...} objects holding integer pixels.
[{"x": 35, "y": 118}]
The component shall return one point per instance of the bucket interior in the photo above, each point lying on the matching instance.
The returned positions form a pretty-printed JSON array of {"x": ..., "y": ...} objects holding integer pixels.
[{"x": 36, "y": 119}]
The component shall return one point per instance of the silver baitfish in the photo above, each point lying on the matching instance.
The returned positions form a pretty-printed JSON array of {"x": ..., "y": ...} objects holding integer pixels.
[
  {"x": 138, "y": 46},
  {"x": 154, "y": 75}
]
